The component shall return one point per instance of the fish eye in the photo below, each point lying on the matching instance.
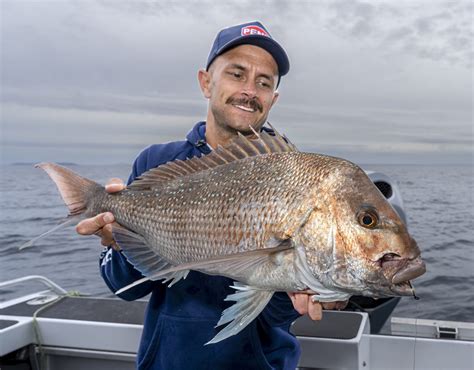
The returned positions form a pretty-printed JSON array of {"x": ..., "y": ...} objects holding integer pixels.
[{"x": 368, "y": 218}]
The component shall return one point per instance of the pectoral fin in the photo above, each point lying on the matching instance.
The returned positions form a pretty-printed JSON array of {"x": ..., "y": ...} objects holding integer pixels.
[
  {"x": 233, "y": 265},
  {"x": 249, "y": 303},
  {"x": 144, "y": 258},
  {"x": 138, "y": 253}
]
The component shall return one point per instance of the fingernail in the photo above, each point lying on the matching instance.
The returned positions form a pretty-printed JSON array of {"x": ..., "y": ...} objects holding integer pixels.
[{"x": 108, "y": 218}]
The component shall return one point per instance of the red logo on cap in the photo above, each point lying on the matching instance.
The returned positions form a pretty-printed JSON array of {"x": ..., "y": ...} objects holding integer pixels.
[{"x": 253, "y": 30}]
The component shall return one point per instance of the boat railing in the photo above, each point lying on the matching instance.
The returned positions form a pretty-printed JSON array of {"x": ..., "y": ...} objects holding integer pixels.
[{"x": 44, "y": 280}]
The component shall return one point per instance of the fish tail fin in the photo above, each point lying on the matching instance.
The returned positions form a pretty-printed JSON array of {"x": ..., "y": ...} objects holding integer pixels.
[{"x": 75, "y": 191}]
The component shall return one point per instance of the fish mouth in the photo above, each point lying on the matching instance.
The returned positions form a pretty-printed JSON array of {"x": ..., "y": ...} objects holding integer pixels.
[
  {"x": 401, "y": 280},
  {"x": 403, "y": 288}
]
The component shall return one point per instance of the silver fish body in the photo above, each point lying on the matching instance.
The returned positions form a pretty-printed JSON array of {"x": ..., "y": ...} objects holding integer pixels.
[
  {"x": 247, "y": 205},
  {"x": 262, "y": 213}
]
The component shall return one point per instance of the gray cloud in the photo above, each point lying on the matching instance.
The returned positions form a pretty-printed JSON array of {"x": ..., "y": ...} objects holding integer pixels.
[
  {"x": 104, "y": 101},
  {"x": 438, "y": 30},
  {"x": 366, "y": 76}
]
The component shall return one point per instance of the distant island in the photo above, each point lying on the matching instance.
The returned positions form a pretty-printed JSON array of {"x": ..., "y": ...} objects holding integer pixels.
[{"x": 33, "y": 163}]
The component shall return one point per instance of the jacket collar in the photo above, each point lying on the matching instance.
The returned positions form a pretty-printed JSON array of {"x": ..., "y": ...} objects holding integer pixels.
[{"x": 197, "y": 137}]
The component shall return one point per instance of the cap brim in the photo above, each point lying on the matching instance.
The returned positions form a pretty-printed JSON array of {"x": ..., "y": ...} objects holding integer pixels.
[{"x": 266, "y": 43}]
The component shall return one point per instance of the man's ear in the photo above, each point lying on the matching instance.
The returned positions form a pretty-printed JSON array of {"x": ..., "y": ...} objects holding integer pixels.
[
  {"x": 204, "y": 78},
  {"x": 276, "y": 94}
]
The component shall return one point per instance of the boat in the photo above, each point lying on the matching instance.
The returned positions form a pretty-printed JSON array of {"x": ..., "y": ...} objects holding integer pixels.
[
  {"x": 51, "y": 329},
  {"x": 54, "y": 329}
]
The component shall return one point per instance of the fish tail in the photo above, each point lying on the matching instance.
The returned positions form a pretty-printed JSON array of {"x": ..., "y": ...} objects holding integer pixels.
[{"x": 75, "y": 190}]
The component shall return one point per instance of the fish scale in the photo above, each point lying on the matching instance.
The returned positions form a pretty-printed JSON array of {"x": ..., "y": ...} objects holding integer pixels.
[
  {"x": 243, "y": 227},
  {"x": 259, "y": 212}
]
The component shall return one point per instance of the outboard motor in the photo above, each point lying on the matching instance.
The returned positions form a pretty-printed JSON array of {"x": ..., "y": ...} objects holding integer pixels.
[{"x": 390, "y": 191}]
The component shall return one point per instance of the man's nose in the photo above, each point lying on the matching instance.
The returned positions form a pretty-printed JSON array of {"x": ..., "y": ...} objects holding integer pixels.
[{"x": 250, "y": 88}]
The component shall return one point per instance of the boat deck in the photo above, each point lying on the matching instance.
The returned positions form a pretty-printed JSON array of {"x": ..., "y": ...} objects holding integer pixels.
[
  {"x": 103, "y": 333},
  {"x": 84, "y": 309}
]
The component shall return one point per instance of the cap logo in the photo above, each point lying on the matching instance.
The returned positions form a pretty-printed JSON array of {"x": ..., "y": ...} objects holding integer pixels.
[{"x": 253, "y": 30}]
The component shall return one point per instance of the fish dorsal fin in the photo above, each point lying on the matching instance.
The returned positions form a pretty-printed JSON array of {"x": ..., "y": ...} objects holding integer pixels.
[{"x": 240, "y": 148}]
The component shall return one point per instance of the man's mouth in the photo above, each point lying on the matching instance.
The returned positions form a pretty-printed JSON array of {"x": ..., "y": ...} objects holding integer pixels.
[
  {"x": 246, "y": 104},
  {"x": 244, "y": 108}
]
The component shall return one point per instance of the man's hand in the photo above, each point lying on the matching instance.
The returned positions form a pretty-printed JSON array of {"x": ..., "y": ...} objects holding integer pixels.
[
  {"x": 101, "y": 224},
  {"x": 304, "y": 305}
]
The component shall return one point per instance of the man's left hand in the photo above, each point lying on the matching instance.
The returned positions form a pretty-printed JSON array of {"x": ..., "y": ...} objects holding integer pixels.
[{"x": 303, "y": 304}]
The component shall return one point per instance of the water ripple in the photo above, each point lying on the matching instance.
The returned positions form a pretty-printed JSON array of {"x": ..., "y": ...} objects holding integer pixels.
[{"x": 440, "y": 218}]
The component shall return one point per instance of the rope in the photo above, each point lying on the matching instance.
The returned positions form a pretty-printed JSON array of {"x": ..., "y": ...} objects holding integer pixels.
[{"x": 36, "y": 329}]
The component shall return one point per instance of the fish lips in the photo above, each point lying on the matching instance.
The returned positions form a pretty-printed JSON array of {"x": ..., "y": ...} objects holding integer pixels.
[{"x": 401, "y": 279}]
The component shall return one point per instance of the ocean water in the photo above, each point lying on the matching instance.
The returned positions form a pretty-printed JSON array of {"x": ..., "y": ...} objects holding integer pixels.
[{"x": 438, "y": 201}]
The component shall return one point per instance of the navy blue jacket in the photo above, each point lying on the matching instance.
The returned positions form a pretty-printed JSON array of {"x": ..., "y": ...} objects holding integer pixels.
[{"x": 180, "y": 319}]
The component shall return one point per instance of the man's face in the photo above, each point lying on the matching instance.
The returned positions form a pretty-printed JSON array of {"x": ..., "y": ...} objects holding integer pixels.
[{"x": 240, "y": 86}]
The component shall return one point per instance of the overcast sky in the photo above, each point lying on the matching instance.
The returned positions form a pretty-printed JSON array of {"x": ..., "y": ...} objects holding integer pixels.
[{"x": 371, "y": 81}]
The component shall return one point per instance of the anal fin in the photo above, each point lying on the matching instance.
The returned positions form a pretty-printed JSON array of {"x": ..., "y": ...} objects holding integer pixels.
[
  {"x": 232, "y": 265},
  {"x": 176, "y": 276},
  {"x": 250, "y": 302}
]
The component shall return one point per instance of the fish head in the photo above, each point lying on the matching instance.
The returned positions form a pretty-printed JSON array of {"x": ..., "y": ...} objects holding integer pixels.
[{"x": 366, "y": 247}]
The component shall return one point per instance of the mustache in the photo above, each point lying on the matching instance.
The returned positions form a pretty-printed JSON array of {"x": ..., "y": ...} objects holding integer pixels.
[{"x": 246, "y": 102}]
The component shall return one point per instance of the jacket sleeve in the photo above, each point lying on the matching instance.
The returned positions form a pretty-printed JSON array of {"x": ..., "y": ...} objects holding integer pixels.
[
  {"x": 116, "y": 271},
  {"x": 279, "y": 311}
]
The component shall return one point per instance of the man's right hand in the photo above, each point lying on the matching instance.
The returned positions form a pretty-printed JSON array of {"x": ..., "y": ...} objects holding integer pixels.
[
  {"x": 101, "y": 224},
  {"x": 303, "y": 304}
]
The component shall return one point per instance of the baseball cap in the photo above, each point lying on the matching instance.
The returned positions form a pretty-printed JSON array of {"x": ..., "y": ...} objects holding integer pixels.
[{"x": 253, "y": 33}]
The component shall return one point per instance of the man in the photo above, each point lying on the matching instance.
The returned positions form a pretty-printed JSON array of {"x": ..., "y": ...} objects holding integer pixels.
[{"x": 240, "y": 81}]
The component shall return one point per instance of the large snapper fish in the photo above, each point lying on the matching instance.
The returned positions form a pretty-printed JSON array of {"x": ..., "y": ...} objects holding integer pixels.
[{"x": 262, "y": 213}]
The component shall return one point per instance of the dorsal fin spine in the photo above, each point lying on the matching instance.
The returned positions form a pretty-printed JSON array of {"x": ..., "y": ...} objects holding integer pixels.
[
  {"x": 175, "y": 166},
  {"x": 240, "y": 148},
  {"x": 186, "y": 165},
  {"x": 191, "y": 163},
  {"x": 265, "y": 145},
  {"x": 260, "y": 139},
  {"x": 212, "y": 158},
  {"x": 247, "y": 142},
  {"x": 204, "y": 163},
  {"x": 217, "y": 153},
  {"x": 170, "y": 171},
  {"x": 225, "y": 152}
]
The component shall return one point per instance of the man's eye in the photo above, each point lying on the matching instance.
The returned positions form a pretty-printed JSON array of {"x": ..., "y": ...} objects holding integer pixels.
[
  {"x": 235, "y": 74},
  {"x": 264, "y": 84}
]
